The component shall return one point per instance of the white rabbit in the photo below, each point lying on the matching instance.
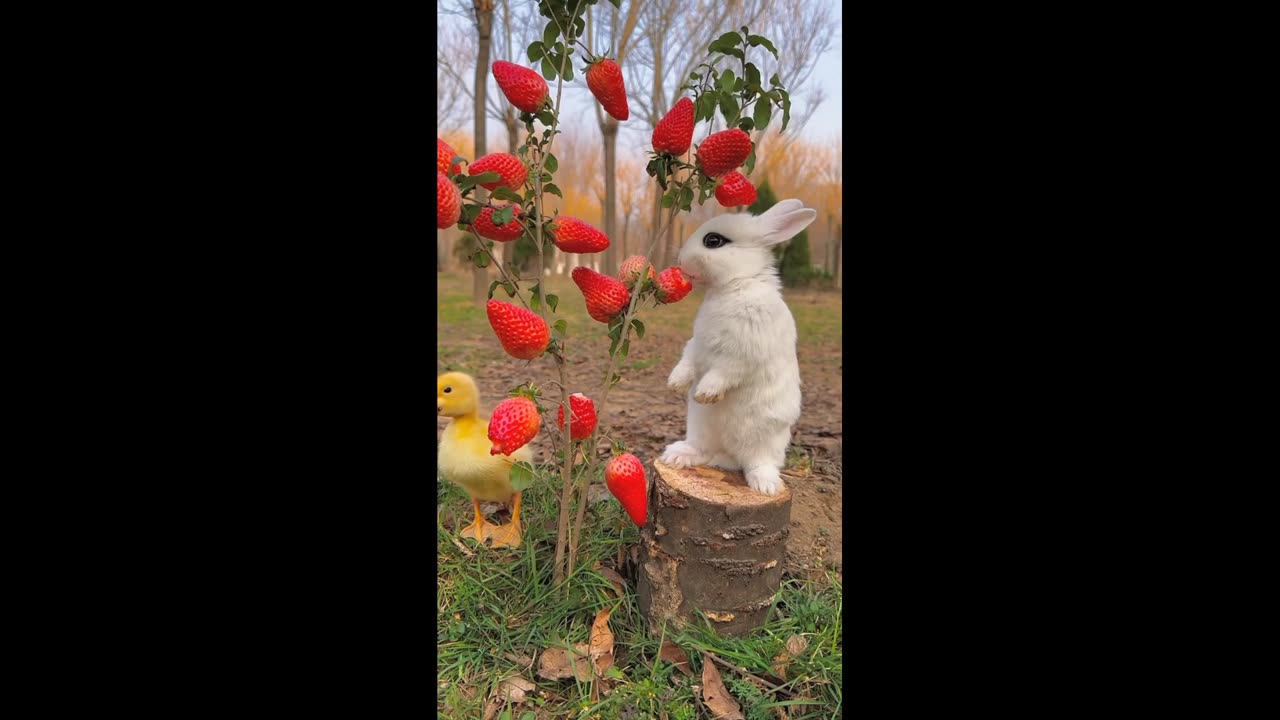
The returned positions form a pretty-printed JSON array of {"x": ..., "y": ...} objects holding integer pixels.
[{"x": 740, "y": 368}]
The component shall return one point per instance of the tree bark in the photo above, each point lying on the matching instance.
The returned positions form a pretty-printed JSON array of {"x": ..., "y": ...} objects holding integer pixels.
[
  {"x": 609, "y": 129},
  {"x": 839, "y": 255},
  {"x": 712, "y": 546},
  {"x": 484, "y": 28}
]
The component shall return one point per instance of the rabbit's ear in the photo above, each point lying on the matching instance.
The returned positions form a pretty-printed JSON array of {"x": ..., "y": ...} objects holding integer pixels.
[
  {"x": 782, "y": 206},
  {"x": 784, "y": 221}
]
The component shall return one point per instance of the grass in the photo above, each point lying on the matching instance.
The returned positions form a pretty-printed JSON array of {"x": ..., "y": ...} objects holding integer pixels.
[
  {"x": 469, "y": 342},
  {"x": 498, "y": 609}
]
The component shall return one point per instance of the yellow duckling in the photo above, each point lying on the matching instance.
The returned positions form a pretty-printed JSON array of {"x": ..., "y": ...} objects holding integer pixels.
[{"x": 465, "y": 459}]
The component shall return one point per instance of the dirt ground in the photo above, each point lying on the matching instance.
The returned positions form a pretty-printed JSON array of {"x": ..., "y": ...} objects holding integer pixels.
[{"x": 647, "y": 416}]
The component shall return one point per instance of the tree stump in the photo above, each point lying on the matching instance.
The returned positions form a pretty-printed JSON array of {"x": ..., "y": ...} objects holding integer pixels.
[{"x": 712, "y": 544}]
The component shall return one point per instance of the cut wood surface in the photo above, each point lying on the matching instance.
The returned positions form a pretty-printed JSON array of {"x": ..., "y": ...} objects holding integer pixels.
[{"x": 712, "y": 546}]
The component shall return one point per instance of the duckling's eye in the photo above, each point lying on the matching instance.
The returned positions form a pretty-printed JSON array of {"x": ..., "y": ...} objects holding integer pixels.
[
  {"x": 713, "y": 240},
  {"x": 448, "y": 390}
]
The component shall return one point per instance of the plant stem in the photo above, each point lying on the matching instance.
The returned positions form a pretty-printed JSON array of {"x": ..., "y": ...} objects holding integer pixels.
[
  {"x": 566, "y": 491},
  {"x": 593, "y": 458}
]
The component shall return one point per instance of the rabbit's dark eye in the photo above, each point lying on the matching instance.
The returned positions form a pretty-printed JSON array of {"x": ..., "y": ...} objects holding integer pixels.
[
  {"x": 448, "y": 390},
  {"x": 713, "y": 240}
]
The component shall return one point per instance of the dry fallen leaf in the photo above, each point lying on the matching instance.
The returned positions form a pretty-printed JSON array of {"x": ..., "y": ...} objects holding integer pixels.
[
  {"x": 515, "y": 688},
  {"x": 796, "y": 645},
  {"x": 613, "y": 577},
  {"x": 672, "y": 653},
  {"x": 602, "y": 643},
  {"x": 720, "y": 704},
  {"x": 557, "y": 664}
]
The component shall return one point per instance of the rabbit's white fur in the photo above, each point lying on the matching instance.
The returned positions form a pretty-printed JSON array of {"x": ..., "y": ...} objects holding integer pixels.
[{"x": 740, "y": 369}]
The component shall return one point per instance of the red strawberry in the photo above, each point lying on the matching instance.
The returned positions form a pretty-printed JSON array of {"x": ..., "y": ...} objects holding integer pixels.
[
  {"x": 629, "y": 271},
  {"x": 448, "y": 201},
  {"x": 523, "y": 333},
  {"x": 606, "y": 297},
  {"x": 624, "y": 475},
  {"x": 444, "y": 154},
  {"x": 514, "y": 423},
  {"x": 584, "y": 416},
  {"x": 523, "y": 87},
  {"x": 604, "y": 78},
  {"x": 574, "y": 236},
  {"x": 673, "y": 285},
  {"x": 735, "y": 190},
  {"x": 675, "y": 131},
  {"x": 513, "y": 171},
  {"x": 502, "y": 233},
  {"x": 721, "y": 152}
]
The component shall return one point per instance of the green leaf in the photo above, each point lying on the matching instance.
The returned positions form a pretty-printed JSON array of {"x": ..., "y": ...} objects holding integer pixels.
[
  {"x": 548, "y": 70},
  {"x": 480, "y": 259},
  {"x": 521, "y": 475},
  {"x": 493, "y": 286},
  {"x": 484, "y": 177},
  {"x": 746, "y": 124},
  {"x": 617, "y": 4},
  {"x": 503, "y": 216},
  {"x": 757, "y": 40},
  {"x": 668, "y": 200},
  {"x": 729, "y": 108},
  {"x": 753, "y": 74},
  {"x": 774, "y": 80},
  {"x": 568, "y": 69},
  {"x": 469, "y": 214},
  {"x": 550, "y": 33},
  {"x": 535, "y": 303},
  {"x": 553, "y": 189},
  {"x": 750, "y": 164},
  {"x": 762, "y": 113},
  {"x": 786, "y": 108},
  {"x": 510, "y": 288},
  {"x": 505, "y": 193},
  {"x": 545, "y": 116},
  {"x": 695, "y": 76},
  {"x": 536, "y": 50},
  {"x": 553, "y": 301},
  {"x": 635, "y": 324},
  {"x": 725, "y": 42},
  {"x": 561, "y": 327},
  {"x": 726, "y": 80},
  {"x": 706, "y": 106},
  {"x": 550, "y": 163},
  {"x": 686, "y": 196},
  {"x": 735, "y": 52},
  {"x": 626, "y": 347}
]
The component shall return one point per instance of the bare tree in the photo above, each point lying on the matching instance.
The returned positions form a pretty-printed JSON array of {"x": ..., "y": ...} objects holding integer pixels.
[
  {"x": 619, "y": 38},
  {"x": 484, "y": 29}
]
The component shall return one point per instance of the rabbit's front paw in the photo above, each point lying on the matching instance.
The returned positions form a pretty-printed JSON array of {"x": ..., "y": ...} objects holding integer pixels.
[
  {"x": 765, "y": 480},
  {"x": 681, "y": 378},
  {"x": 710, "y": 390}
]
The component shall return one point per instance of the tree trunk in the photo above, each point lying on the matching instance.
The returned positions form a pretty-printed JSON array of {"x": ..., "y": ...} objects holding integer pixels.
[
  {"x": 442, "y": 251},
  {"x": 609, "y": 128},
  {"x": 712, "y": 545},
  {"x": 839, "y": 255},
  {"x": 660, "y": 248},
  {"x": 484, "y": 28},
  {"x": 626, "y": 227}
]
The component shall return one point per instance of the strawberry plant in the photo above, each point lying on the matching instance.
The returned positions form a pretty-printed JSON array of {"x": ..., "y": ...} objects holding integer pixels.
[{"x": 515, "y": 211}]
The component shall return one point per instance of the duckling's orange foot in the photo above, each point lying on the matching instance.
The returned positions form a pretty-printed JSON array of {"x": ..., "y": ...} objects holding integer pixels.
[
  {"x": 478, "y": 531},
  {"x": 507, "y": 535}
]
